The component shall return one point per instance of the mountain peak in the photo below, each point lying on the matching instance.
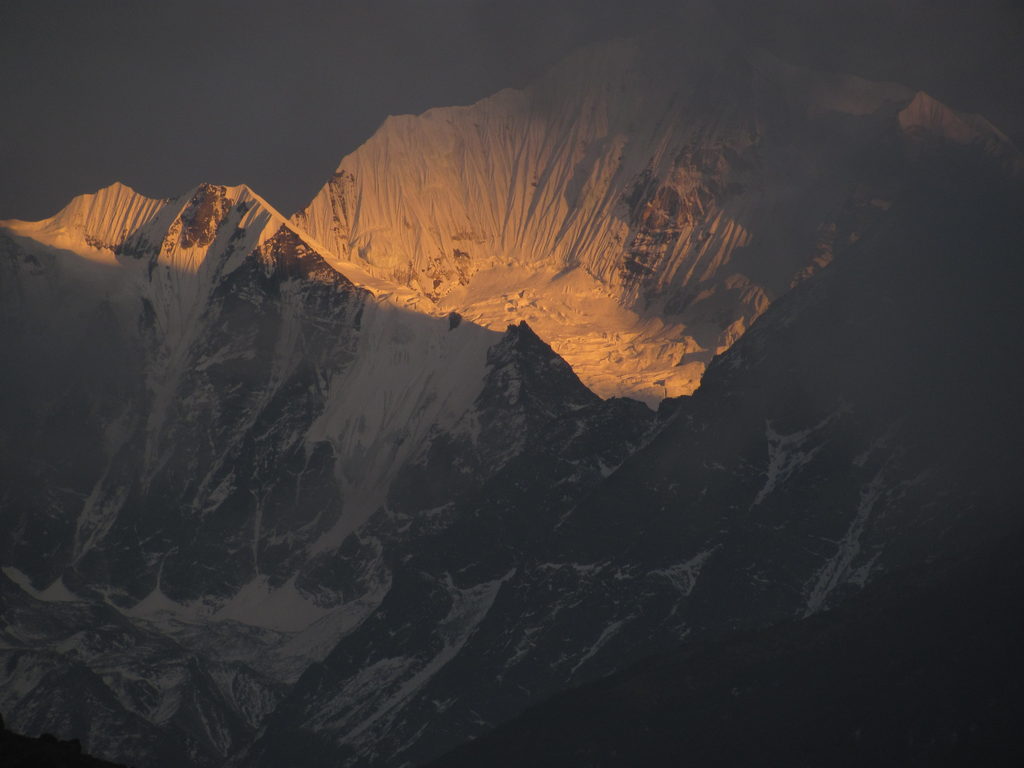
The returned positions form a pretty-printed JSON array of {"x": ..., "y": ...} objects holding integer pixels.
[
  {"x": 113, "y": 195},
  {"x": 624, "y": 203},
  {"x": 93, "y": 223},
  {"x": 927, "y": 116},
  {"x": 117, "y": 187},
  {"x": 524, "y": 366},
  {"x": 116, "y": 221}
]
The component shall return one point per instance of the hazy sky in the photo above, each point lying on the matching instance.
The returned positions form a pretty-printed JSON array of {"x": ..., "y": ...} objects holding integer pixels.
[{"x": 164, "y": 95}]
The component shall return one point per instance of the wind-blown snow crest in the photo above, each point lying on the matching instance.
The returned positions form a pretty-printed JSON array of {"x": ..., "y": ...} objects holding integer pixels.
[{"x": 93, "y": 225}]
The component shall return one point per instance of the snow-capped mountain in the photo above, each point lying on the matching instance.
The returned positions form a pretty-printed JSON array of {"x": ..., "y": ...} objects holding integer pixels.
[
  {"x": 209, "y": 419},
  {"x": 639, "y": 205},
  {"x": 843, "y": 439},
  {"x": 318, "y": 491},
  {"x": 864, "y": 432},
  {"x": 252, "y": 351}
]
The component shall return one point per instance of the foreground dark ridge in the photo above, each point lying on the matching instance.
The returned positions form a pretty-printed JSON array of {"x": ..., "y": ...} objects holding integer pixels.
[
  {"x": 922, "y": 668},
  {"x": 911, "y": 672},
  {"x": 17, "y": 751}
]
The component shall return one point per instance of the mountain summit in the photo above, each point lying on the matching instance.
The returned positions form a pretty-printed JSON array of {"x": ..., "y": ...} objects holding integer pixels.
[{"x": 638, "y": 206}]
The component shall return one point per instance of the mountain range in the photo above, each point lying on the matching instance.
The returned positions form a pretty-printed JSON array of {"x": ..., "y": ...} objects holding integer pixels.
[{"x": 671, "y": 351}]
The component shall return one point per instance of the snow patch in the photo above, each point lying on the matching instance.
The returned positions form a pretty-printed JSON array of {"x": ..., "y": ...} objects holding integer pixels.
[
  {"x": 837, "y": 570},
  {"x": 606, "y": 634},
  {"x": 411, "y": 377},
  {"x": 389, "y": 682},
  {"x": 683, "y": 576},
  {"x": 56, "y": 592},
  {"x": 284, "y": 608},
  {"x": 787, "y": 454}
]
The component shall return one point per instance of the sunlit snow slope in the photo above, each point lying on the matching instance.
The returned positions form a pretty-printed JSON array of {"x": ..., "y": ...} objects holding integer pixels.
[{"x": 639, "y": 206}]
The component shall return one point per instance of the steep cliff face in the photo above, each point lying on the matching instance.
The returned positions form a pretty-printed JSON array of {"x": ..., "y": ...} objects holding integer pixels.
[{"x": 639, "y": 206}]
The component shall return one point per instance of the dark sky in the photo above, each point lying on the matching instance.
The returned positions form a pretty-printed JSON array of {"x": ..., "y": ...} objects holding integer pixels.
[{"x": 164, "y": 95}]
